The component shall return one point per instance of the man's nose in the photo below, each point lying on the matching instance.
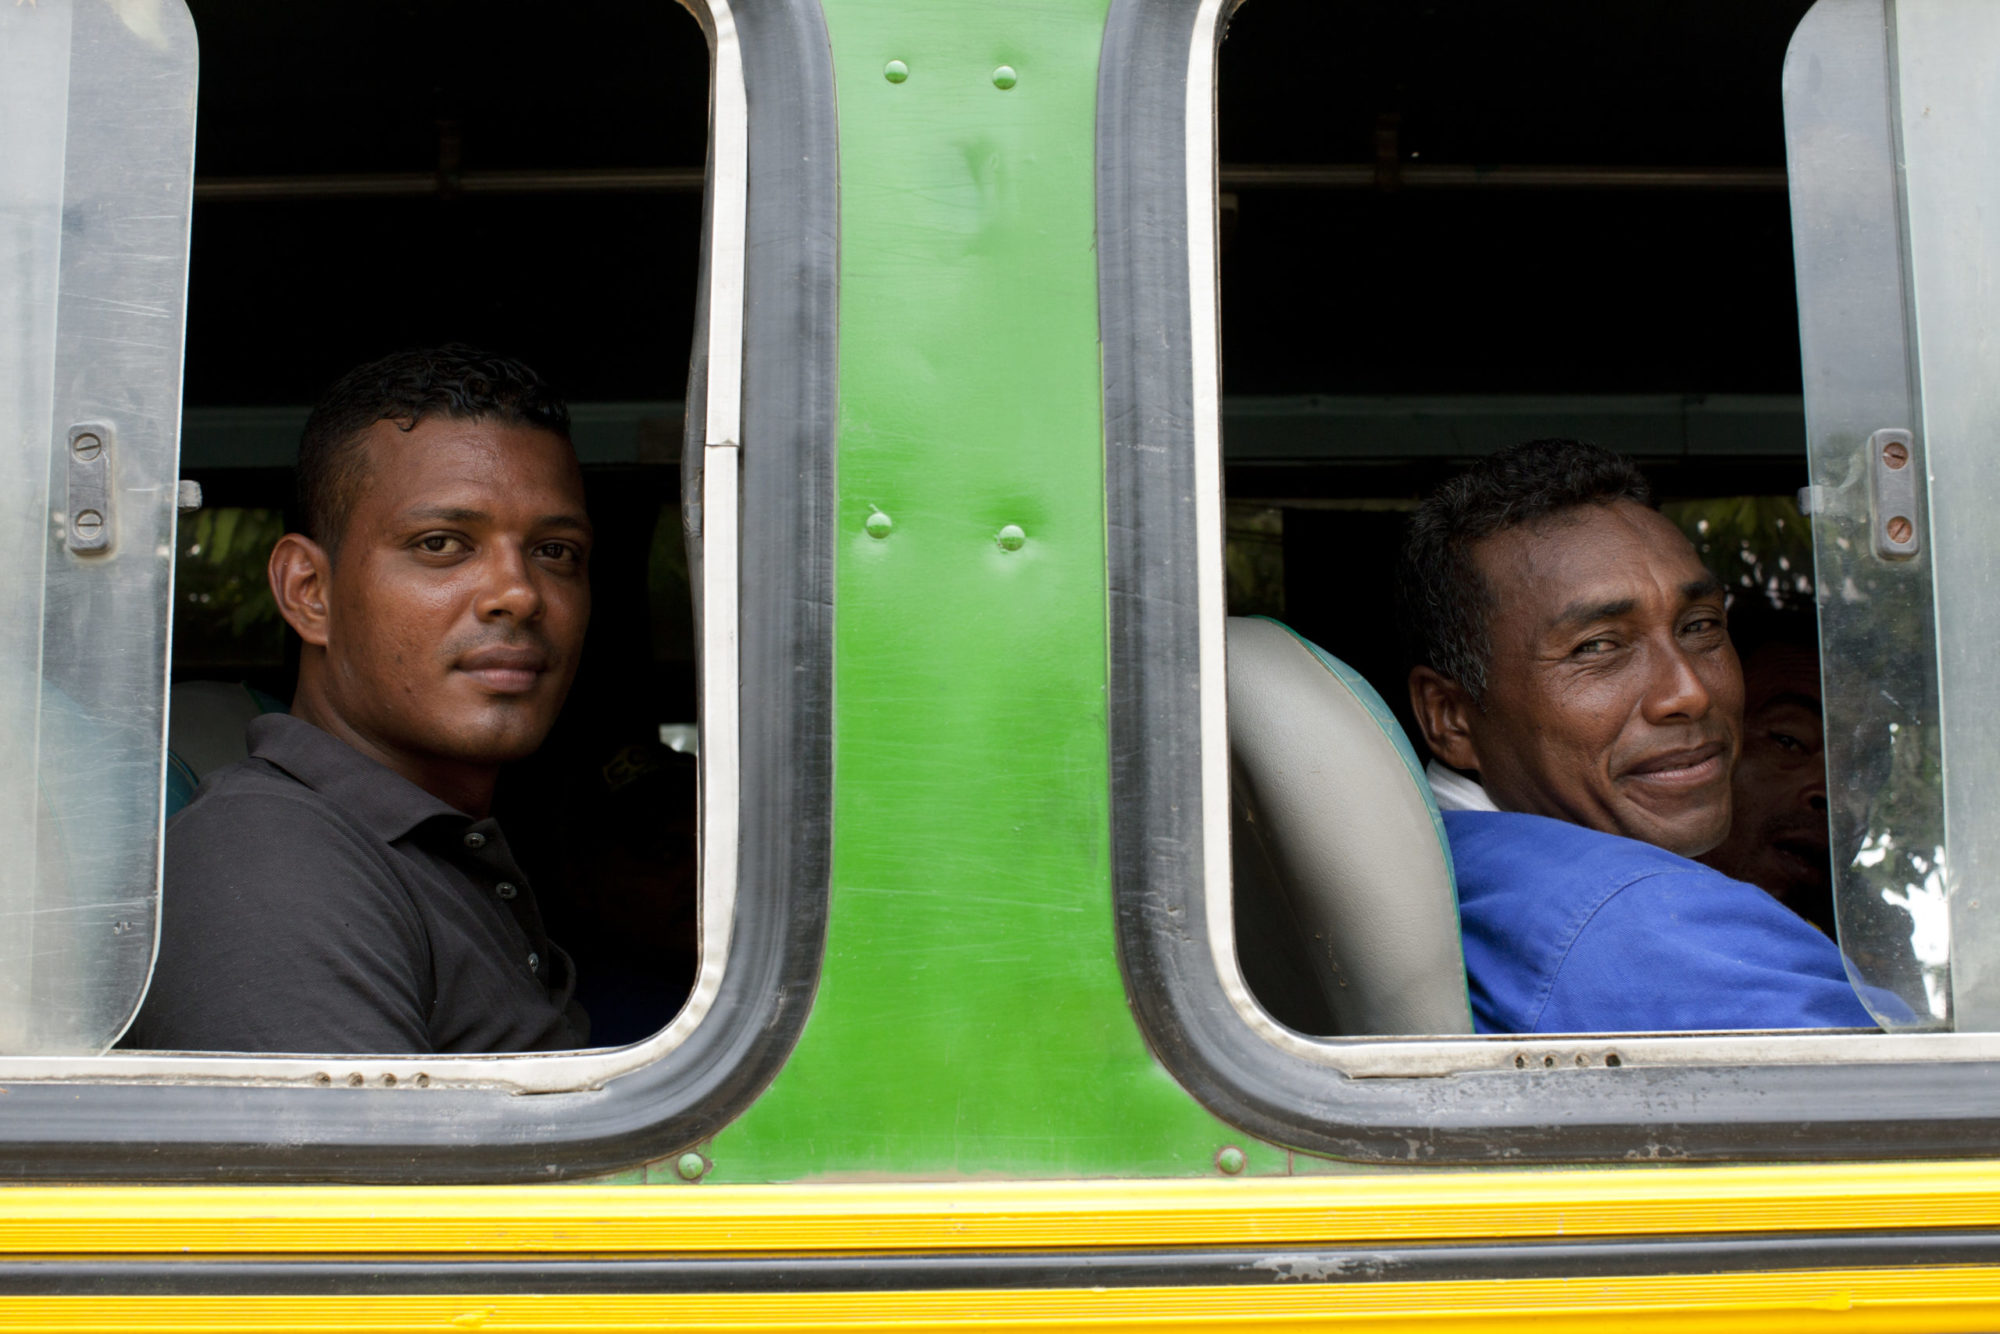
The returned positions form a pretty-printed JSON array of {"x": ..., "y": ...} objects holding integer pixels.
[
  {"x": 1676, "y": 689},
  {"x": 509, "y": 588}
]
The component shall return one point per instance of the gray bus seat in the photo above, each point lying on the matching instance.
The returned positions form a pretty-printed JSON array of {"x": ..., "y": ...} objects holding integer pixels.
[
  {"x": 1347, "y": 916},
  {"x": 205, "y": 724}
]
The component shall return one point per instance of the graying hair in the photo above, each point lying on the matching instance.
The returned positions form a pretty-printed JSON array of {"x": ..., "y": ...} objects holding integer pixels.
[{"x": 1444, "y": 603}]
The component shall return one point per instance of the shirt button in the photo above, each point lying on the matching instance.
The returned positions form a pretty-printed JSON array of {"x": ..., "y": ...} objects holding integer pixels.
[
  {"x": 475, "y": 840},
  {"x": 534, "y": 962},
  {"x": 505, "y": 889}
]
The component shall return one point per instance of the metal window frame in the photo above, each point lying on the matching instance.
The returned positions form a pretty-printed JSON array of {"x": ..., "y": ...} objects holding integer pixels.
[
  {"x": 760, "y": 457},
  {"x": 1522, "y": 1100}
]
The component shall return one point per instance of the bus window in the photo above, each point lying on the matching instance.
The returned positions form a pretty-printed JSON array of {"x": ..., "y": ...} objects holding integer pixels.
[
  {"x": 1379, "y": 340},
  {"x": 1559, "y": 297},
  {"x": 316, "y": 246}
]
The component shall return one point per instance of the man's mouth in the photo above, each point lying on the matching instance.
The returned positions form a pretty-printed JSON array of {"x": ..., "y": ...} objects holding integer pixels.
[
  {"x": 1690, "y": 766},
  {"x": 505, "y": 671}
]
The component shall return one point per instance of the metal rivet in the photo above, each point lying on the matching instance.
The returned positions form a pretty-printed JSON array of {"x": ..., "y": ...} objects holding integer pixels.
[
  {"x": 534, "y": 962},
  {"x": 1005, "y": 78},
  {"x": 691, "y": 1166},
  {"x": 475, "y": 840},
  {"x": 878, "y": 524},
  {"x": 355, "y": 1080},
  {"x": 1900, "y": 528},
  {"x": 1611, "y": 1059},
  {"x": 1011, "y": 538},
  {"x": 89, "y": 523},
  {"x": 322, "y": 1078},
  {"x": 1229, "y": 1159},
  {"x": 1896, "y": 454},
  {"x": 423, "y": 1080},
  {"x": 388, "y": 1081},
  {"x": 87, "y": 447},
  {"x": 895, "y": 71},
  {"x": 506, "y": 889}
]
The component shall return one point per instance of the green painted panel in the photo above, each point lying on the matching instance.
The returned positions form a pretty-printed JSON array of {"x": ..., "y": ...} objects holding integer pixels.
[{"x": 971, "y": 1018}]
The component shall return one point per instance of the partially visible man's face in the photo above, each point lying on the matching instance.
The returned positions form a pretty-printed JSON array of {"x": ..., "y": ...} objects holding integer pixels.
[
  {"x": 460, "y": 591},
  {"x": 1613, "y": 697},
  {"x": 1779, "y": 838}
]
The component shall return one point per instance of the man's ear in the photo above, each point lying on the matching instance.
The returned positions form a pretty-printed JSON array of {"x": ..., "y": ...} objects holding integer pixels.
[
  {"x": 301, "y": 578},
  {"x": 1444, "y": 712}
]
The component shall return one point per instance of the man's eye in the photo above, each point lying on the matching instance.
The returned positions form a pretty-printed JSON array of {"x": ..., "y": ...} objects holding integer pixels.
[
  {"x": 561, "y": 551},
  {"x": 440, "y": 544},
  {"x": 1702, "y": 625},
  {"x": 1590, "y": 648},
  {"x": 1787, "y": 743}
]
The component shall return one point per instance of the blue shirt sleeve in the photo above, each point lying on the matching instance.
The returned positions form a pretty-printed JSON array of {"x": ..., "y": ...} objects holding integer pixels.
[{"x": 1688, "y": 950}]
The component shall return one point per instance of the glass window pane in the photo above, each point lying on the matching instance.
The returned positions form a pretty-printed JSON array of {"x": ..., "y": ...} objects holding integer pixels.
[
  {"x": 96, "y": 146},
  {"x": 1890, "y": 114},
  {"x": 1949, "y": 120}
]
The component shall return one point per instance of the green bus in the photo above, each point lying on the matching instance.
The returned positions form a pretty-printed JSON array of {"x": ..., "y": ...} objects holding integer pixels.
[{"x": 926, "y": 810}]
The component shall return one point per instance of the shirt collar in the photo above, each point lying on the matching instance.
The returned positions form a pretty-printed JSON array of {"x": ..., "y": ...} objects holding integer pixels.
[
  {"x": 387, "y": 804},
  {"x": 1455, "y": 792}
]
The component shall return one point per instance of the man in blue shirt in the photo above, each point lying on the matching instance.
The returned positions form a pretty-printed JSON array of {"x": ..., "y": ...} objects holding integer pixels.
[{"x": 1576, "y": 684}]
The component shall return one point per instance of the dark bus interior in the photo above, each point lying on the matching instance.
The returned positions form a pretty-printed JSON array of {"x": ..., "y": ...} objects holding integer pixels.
[{"x": 1446, "y": 227}]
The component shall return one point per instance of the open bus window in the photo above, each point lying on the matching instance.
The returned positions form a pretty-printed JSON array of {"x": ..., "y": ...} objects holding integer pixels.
[
  {"x": 535, "y": 191},
  {"x": 1506, "y": 303},
  {"x": 481, "y": 201},
  {"x": 1561, "y": 298},
  {"x": 539, "y": 188},
  {"x": 1437, "y": 340}
]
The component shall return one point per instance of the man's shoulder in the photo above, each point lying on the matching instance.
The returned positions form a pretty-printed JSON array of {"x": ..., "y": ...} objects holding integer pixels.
[
  {"x": 253, "y": 815},
  {"x": 1568, "y": 929},
  {"x": 247, "y": 796},
  {"x": 258, "y": 854},
  {"x": 1500, "y": 852}
]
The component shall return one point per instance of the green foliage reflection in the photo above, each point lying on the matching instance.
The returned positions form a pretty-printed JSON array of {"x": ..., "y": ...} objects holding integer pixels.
[
  {"x": 224, "y": 616},
  {"x": 1755, "y": 544}
]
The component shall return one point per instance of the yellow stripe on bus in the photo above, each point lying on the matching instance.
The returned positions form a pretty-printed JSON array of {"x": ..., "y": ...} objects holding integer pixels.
[
  {"x": 985, "y": 1216},
  {"x": 1940, "y": 1301}
]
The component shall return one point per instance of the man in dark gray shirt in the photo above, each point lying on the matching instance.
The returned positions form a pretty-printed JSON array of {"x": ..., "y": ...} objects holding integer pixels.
[{"x": 345, "y": 889}]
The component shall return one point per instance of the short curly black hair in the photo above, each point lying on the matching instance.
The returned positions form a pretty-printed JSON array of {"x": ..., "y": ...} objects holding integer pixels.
[
  {"x": 1442, "y": 600},
  {"x": 453, "y": 381}
]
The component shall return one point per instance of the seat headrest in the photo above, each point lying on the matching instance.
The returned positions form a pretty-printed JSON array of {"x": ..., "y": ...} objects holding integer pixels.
[{"x": 1335, "y": 822}]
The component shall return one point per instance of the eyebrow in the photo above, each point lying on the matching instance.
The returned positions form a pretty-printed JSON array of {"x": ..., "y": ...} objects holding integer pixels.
[
  {"x": 461, "y": 514},
  {"x": 1694, "y": 590},
  {"x": 1583, "y": 613}
]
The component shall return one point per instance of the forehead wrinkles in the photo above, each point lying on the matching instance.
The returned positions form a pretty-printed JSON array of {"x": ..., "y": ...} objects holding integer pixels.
[{"x": 1602, "y": 555}]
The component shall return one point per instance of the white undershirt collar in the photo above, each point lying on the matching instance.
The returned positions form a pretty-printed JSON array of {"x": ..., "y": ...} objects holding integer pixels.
[{"x": 1455, "y": 792}]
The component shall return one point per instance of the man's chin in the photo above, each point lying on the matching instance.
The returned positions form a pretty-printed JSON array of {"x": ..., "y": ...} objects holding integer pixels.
[
  {"x": 1690, "y": 835},
  {"x": 502, "y": 740}
]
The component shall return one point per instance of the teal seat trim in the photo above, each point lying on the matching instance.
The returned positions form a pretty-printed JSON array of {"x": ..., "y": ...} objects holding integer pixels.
[{"x": 181, "y": 784}]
